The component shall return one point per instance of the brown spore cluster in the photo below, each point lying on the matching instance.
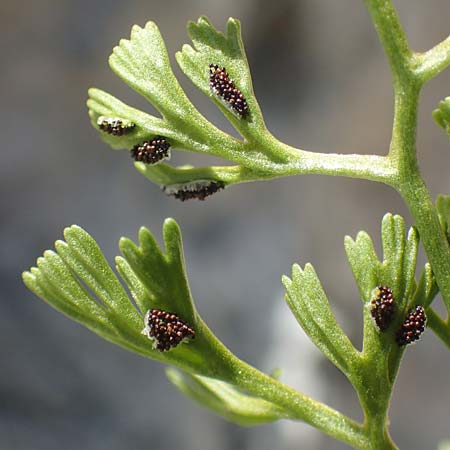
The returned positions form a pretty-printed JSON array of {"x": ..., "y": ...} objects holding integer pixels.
[
  {"x": 116, "y": 127},
  {"x": 199, "y": 190},
  {"x": 383, "y": 307},
  {"x": 151, "y": 152},
  {"x": 412, "y": 327},
  {"x": 166, "y": 329},
  {"x": 223, "y": 86}
]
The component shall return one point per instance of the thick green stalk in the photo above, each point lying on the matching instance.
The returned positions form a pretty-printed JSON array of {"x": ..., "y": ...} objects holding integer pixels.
[
  {"x": 409, "y": 72},
  {"x": 417, "y": 197},
  {"x": 391, "y": 34},
  {"x": 303, "y": 408},
  {"x": 368, "y": 167},
  {"x": 434, "y": 61},
  {"x": 297, "y": 406},
  {"x": 402, "y": 172},
  {"x": 408, "y": 79},
  {"x": 261, "y": 156},
  {"x": 439, "y": 326},
  {"x": 412, "y": 187}
]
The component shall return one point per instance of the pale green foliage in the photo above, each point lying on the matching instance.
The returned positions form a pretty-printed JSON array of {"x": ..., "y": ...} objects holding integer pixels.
[
  {"x": 309, "y": 304},
  {"x": 77, "y": 280},
  {"x": 443, "y": 210},
  {"x": 398, "y": 265},
  {"x": 225, "y": 399},
  {"x": 155, "y": 280},
  {"x": 442, "y": 114}
]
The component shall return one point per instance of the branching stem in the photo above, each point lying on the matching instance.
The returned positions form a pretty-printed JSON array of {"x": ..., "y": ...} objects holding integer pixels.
[
  {"x": 301, "y": 407},
  {"x": 440, "y": 326},
  {"x": 409, "y": 74},
  {"x": 261, "y": 156},
  {"x": 392, "y": 36},
  {"x": 434, "y": 61},
  {"x": 375, "y": 378}
]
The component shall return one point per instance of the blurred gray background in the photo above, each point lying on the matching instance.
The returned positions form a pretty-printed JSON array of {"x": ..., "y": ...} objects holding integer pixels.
[{"x": 323, "y": 84}]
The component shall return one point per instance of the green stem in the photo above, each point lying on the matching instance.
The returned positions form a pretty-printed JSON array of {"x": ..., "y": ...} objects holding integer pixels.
[
  {"x": 368, "y": 167},
  {"x": 409, "y": 72},
  {"x": 434, "y": 61},
  {"x": 402, "y": 151},
  {"x": 375, "y": 381},
  {"x": 417, "y": 197},
  {"x": 301, "y": 407},
  {"x": 296, "y": 406},
  {"x": 439, "y": 326},
  {"x": 391, "y": 35},
  {"x": 376, "y": 388}
]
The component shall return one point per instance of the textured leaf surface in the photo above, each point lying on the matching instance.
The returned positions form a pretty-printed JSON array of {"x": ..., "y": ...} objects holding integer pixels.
[
  {"x": 224, "y": 399},
  {"x": 443, "y": 209},
  {"x": 427, "y": 288},
  {"x": 162, "y": 275},
  {"x": 77, "y": 281},
  {"x": 442, "y": 114},
  {"x": 364, "y": 263},
  {"x": 166, "y": 175},
  {"x": 101, "y": 103},
  {"x": 308, "y": 302},
  {"x": 397, "y": 270},
  {"x": 210, "y": 46},
  {"x": 142, "y": 62}
]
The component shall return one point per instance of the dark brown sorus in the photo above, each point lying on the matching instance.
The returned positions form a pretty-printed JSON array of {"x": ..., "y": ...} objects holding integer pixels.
[
  {"x": 383, "y": 307},
  {"x": 223, "y": 86},
  {"x": 151, "y": 152},
  {"x": 197, "y": 191},
  {"x": 412, "y": 327},
  {"x": 116, "y": 127},
  {"x": 167, "y": 329}
]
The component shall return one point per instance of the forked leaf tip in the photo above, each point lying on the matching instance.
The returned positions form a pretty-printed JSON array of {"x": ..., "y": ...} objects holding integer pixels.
[
  {"x": 171, "y": 226},
  {"x": 286, "y": 281},
  {"x": 437, "y": 116},
  {"x": 297, "y": 272},
  {"x": 74, "y": 230},
  {"x": 39, "y": 261},
  {"x": 413, "y": 233},
  {"x": 125, "y": 243},
  {"x": 60, "y": 244},
  {"x": 348, "y": 240},
  {"x": 49, "y": 253},
  {"x": 233, "y": 27},
  {"x": 204, "y": 20},
  {"x": 362, "y": 236},
  {"x": 151, "y": 25},
  {"x": 172, "y": 236},
  {"x": 146, "y": 239},
  {"x": 136, "y": 28},
  {"x": 191, "y": 25},
  {"x": 387, "y": 219},
  {"x": 28, "y": 278}
]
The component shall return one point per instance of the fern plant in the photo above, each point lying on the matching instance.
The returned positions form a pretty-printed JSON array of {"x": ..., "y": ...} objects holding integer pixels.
[{"x": 159, "y": 319}]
